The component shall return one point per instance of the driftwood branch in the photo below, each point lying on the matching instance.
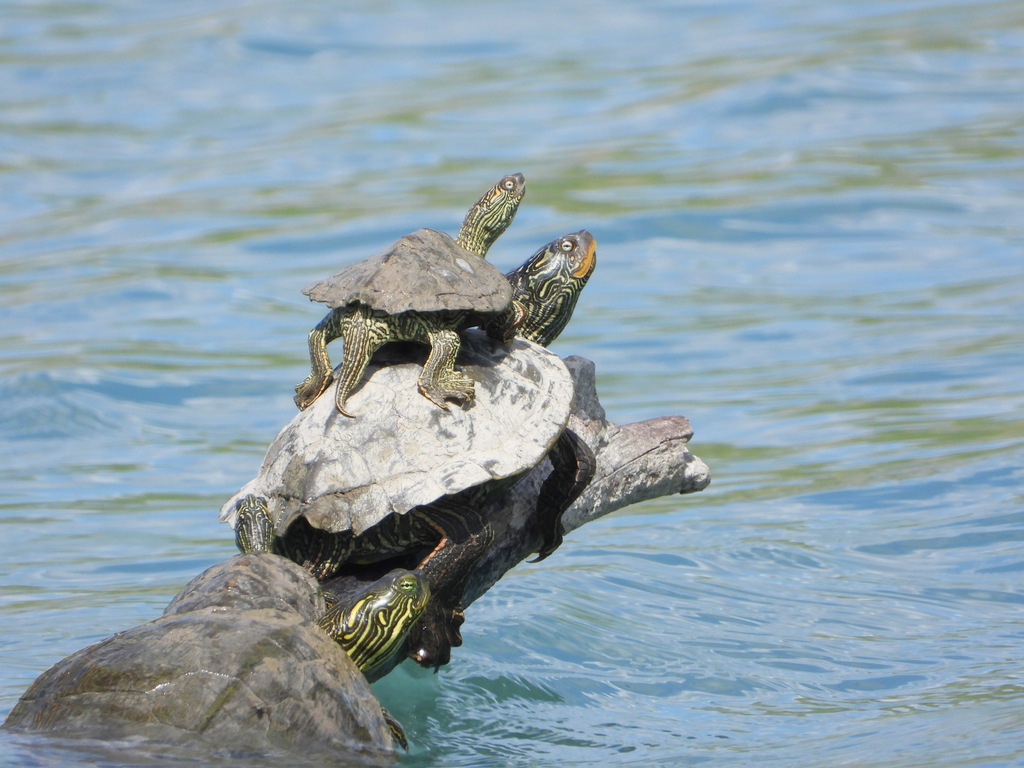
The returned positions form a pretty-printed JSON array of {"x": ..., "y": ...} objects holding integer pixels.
[{"x": 635, "y": 462}]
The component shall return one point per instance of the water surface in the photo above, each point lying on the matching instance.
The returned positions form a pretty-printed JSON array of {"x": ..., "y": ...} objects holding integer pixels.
[{"x": 810, "y": 221}]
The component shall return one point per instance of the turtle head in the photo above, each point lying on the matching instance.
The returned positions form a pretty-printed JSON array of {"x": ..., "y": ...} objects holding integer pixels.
[
  {"x": 372, "y": 626},
  {"x": 579, "y": 252},
  {"x": 491, "y": 214},
  {"x": 548, "y": 284}
]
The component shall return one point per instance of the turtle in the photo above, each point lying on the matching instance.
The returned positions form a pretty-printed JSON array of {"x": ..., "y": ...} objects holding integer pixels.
[
  {"x": 400, "y": 487},
  {"x": 545, "y": 289},
  {"x": 369, "y": 622},
  {"x": 236, "y": 663},
  {"x": 491, "y": 215},
  {"x": 347, "y": 495},
  {"x": 424, "y": 288}
]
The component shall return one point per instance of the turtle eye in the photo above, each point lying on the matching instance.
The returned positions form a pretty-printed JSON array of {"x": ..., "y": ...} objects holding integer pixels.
[
  {"x": 407, "y": 584},
  {"x": 509, "y": 184},
  {"x": 567, "y": 245}
]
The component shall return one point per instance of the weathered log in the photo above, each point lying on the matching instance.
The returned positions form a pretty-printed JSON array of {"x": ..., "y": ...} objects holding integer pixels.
[{"x": 635, "y": 462}]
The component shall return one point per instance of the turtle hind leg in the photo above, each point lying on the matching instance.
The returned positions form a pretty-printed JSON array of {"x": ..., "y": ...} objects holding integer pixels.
[
  {"x": 362, "y": 334},
  {"x": 439, "y": 381},
  {"x": 463, "y": 534},
  {"x": 319, "y": 378},
  {"x": 572, "y": 468}
]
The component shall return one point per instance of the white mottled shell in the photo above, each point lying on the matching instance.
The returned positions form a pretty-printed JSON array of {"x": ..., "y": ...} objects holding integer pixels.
[{"x": 401, "y": 450}]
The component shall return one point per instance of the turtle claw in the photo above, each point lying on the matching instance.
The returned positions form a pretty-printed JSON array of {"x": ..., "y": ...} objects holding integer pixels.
[
  {"x": 459, "y": 389},
  {"x": 432, "y": 639},
  {"x": 308, "y": 391},
  {"x": 552, "y": 540},
  {"x": 435, "y": 398}
]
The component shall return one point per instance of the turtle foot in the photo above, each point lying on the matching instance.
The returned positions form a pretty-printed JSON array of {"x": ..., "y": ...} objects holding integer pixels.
[
  {"x": 309, "y": 390},
  {"x": 432, "y": 639},
  {"x": 457, "y": 388},
  {"x": 572, "y": 468},
  {"x": 396, "y": 730},
  {"x": 552, "y": 541}
]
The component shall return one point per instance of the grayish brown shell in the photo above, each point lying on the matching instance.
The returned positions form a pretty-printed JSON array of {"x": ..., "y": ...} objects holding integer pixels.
[
  {"x": 403, "y": 451},
  {"x": 236, "y": 662},
  {"x": 422, "y": 272}
]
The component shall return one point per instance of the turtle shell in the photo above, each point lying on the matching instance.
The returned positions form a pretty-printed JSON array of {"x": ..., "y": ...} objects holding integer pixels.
[
  {"x": 423, "y": 272},
  {"x": 235, "y": 663},
  {"x": 403, "y": 451}
]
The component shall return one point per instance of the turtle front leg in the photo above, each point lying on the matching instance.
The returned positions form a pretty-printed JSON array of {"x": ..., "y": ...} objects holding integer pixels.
[
  {"x": 572, "y": 468},
  {"x": 439, "y": 381},
  {"x": 319, "y": 377},
  {"x": 319, "y": 552},
  {"x": 432, "y": 639},
  {"x": 465, "y": 536},
  {"x": 362, "y": 334},
  {"x": 396, "y": 730},
  {"x": 503, "y": 328},
  {"x": 254, "y": 525}
]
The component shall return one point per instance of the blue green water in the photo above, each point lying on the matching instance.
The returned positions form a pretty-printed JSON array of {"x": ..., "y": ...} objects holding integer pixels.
[{"x": 811, "y": 242}]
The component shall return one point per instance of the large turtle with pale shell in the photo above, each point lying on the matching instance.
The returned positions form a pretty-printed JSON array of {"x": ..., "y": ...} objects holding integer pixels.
[{"x": 406, "y": 484}]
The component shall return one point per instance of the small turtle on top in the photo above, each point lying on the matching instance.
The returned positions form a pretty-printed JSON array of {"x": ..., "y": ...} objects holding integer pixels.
[{"x": 425, "y": 288}]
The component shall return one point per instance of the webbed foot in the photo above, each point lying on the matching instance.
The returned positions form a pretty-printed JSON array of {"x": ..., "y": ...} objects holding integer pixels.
[
  {"x": 455, "y": 387},
  {"x": 309, "y": 390},
  {"x": 439, "y": 381},
  {"x": 437, "y": 632}
]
